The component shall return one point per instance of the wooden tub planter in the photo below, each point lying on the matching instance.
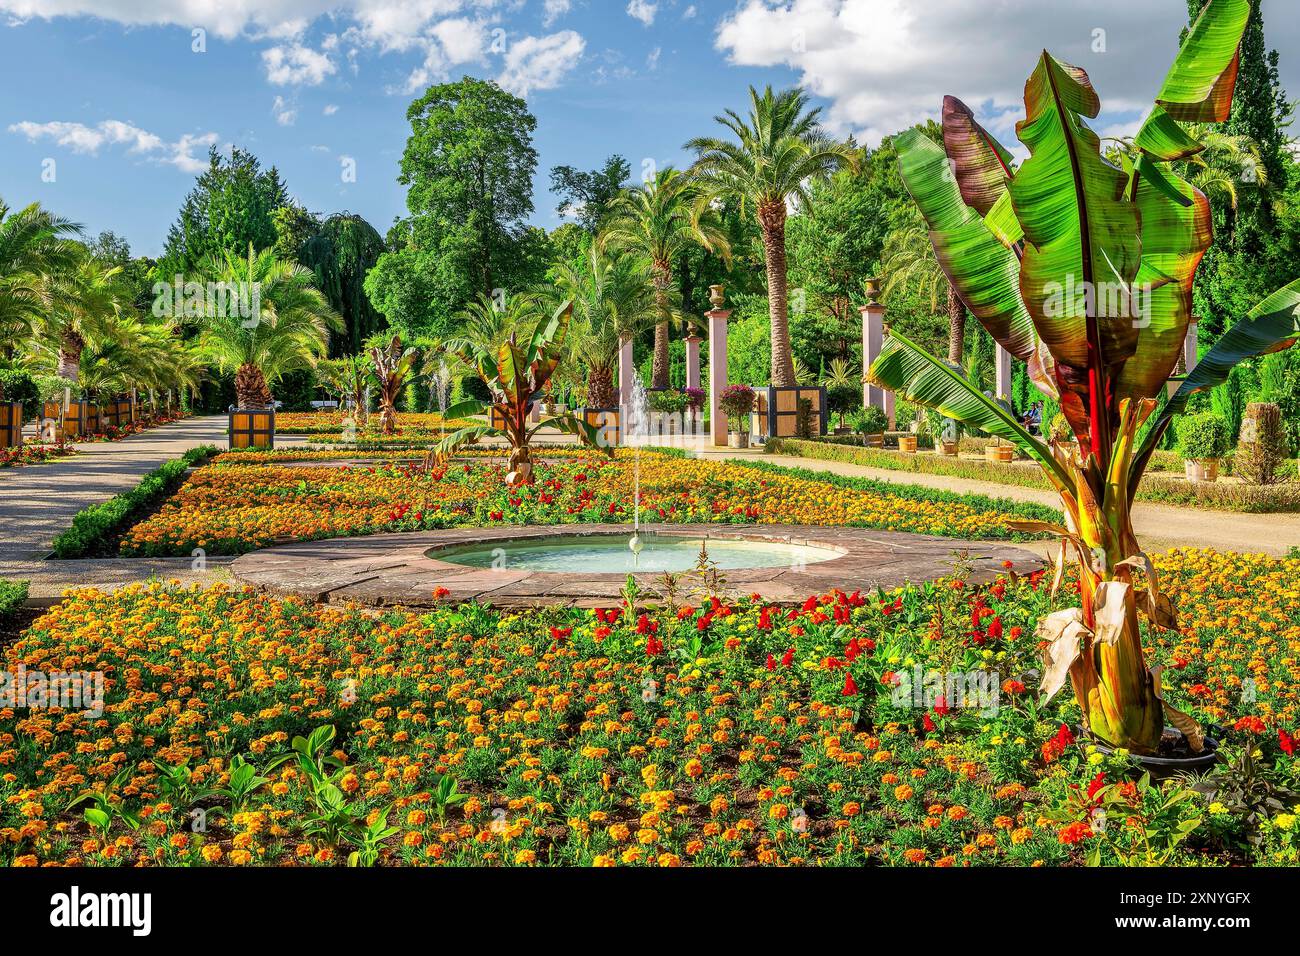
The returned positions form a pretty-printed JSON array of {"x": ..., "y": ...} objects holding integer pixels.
[
  {"x": 252, "y": 428},
  {"x": 1002, "y": 454},
  {"x": 1201, "y": 471},
  {"x": 608, "y": 421},
  {"x": 11, "y": 424},
  {"x": 907, "y": 444}
]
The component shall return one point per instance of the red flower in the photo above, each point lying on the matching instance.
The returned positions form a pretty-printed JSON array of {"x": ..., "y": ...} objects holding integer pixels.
[
  {"x": 941, "y": 706},
  {"x": 1098, "y": 782},
  {"x": 1251, "y": 725},
  {"x": 1074, "y": 833},
  {"x": 653, "y": 646},
  {"x": 927, "y": 723},
  {"x": 560, "y": 633},
  {"x": 852, "y": 651},
  {"x": 1286, "y": 742},
  {"x": 850, "y": 688},
  {"x": 771, "y": 662},
  {"x": 788, "y": 658}
]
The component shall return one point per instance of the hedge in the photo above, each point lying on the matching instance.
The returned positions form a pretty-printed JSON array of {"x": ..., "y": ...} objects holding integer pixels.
[
  {"x": 13, "y": 594},
  {"x": 94, "y": 527}
]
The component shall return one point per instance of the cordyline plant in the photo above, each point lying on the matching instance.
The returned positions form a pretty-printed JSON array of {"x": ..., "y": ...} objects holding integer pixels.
[
  {"x": 1083, "y": 270},
  {"x": 517, "y": 376}
]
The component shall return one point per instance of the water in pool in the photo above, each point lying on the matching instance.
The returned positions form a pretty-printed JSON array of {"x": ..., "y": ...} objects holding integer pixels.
[{"x": 610, "y": 554}]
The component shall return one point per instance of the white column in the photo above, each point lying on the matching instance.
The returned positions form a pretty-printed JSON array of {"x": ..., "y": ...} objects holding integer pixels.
[
  {"x": 625, "y": 372},
  {"x": 692, "y": 361},
  {"x": 873, "y": 337},
  {"x": 1190, "y": 357},
  {"x": 1003, "y": 373},
  {"x": 717, "y": 372}
]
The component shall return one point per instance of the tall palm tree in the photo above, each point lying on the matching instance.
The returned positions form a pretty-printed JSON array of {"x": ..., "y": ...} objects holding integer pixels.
[
  {"x": 780, "y": 151},
  {"x": 657, "y": 222},
  {"x": 908, "y": 261},
  {"x": 34, "y": 244},
  {"x": 488, "y": 322},
  {"x": 612, "y": 301},
  {"x": 290, "y": 331}
]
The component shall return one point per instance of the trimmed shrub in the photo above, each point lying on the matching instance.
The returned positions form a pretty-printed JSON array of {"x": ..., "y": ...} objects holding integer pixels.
[{"x": 1202, "y": 437}]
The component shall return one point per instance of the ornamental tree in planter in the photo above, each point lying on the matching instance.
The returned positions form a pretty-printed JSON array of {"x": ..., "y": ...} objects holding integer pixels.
[
  {"x": 1202, "y": 441},
  {"x": 1083, "y": 270},
  {"x": 737, "y": 402},
  {"x": 516, "y": 375}
]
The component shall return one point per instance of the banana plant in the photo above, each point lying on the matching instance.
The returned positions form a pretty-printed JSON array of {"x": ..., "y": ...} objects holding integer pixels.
[
  {"x": 1083, "y": 269},
  {"x": 516, "y": 375}
]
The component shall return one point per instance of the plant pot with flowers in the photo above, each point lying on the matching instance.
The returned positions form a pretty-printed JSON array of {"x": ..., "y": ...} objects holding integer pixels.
[
  {"x": 1202, "y": 441},
  {"x": 1009, "y": 238},
  {"x": 737, "y": 402}
]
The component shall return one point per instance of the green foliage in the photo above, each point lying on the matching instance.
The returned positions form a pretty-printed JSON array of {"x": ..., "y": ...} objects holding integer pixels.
[
  {"x": 232, "y": 204},
  {"x": 869, "y": 421},
  {"x": 341, "y": 253},
  {"x": 93, "y": 528},
  {"x": 587, "y": 195},
  {"x": 1202, "y": 436},
  {"x": 17, "y": 385},
  {"x": 13, "y": 595}
]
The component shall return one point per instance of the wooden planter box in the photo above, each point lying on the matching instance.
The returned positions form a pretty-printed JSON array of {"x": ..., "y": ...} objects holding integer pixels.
[
  {"x": 1201, "y": 471},
  {"x": 119, "y": 412},
  {"x": 94, "y": 416},
  {"x": 11, "y": 424},
  {"x": 75, "y": 419},
  {"x": 497, "y": 420},
  {"x": 1003, "y": 454},
  {"x": 782, "y": 410},
  {"x": 252, "y": 428},
  {"x": 608, "y": 420},
  {"x": 907, "y": 444}
]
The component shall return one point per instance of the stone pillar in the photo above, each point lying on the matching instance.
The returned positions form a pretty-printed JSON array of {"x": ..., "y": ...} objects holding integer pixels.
[
  {"x": 693, "y": 361},
  {"x": 1190, "y": 357},
  {"x": 1003, "y": 388},
  {"x": 717, "y": 317},
  {"x": 626, "y": 371},
  {"x": 873, "y": 337}
]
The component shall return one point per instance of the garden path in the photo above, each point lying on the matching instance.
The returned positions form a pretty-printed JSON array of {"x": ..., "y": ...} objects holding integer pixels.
[
  {"x": 39, "y": 501},
  {"x": 1159, "y": 527}
]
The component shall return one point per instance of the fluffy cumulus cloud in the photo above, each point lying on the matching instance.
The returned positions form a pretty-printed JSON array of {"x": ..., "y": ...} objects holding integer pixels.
[
  {"x": 885, "y": 64},
  {"x": 284, "y": 113},
  {"x": 89, "y": 140},
  {"x": 643, "y": 10},
  {"x": 540, "y": 63},
  {"x": 441, "y": 34}
]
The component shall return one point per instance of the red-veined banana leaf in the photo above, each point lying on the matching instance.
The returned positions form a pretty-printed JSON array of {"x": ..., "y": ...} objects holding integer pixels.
[
  {"x": 984, "y": 272},
  {"x": 1199, "y": 86},
  {"x": 1081, "y": 238},
  {"x": 1271, "y": 326},
  {"x": 982, "y": 166},
  {"x": 917, "y": 376}
]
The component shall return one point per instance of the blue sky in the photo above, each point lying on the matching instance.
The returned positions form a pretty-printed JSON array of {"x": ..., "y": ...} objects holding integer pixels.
[{"x": 113, "y": 92}]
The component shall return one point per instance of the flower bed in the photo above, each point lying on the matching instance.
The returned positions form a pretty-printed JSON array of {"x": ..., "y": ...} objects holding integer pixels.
[
  {"x": 231, "y": 509},
  {"x": 329, "y": 426},
  {"x": 33, "y": 454},
  {"x": 709, "y": 731}
]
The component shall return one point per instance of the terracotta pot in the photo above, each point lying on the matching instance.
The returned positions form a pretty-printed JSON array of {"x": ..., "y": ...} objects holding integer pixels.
[
  {"x": 1203, "y": 470},
  {"x": 907, "y": 444}
]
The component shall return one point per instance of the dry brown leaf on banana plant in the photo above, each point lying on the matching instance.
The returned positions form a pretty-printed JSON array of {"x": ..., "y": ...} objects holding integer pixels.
[
  {"x": 1063, "y": 633},
  {"x": 1187, "y": 725},
  {"x": 1110, "y": 608}
]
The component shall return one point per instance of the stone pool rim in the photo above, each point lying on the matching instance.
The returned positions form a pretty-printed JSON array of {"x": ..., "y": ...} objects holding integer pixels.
[{"x": 391, "y": 570}]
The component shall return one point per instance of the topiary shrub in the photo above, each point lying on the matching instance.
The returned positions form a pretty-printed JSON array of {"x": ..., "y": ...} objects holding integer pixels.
[{"x": 1202, "y": 437}]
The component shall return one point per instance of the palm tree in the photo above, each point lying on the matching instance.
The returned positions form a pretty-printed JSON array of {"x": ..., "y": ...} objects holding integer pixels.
[
  {"x": 33, "y": 245},
  {"x": 612, "y": 301},
  {"x": 658, "y": 222},
  {"x": 781, "y": 151},
  {"x": 288, "y": 332},
  {"x": 908, "y": 261},
  {"x": 81, "y": 305},
  {"x": 393, "y": 362},
  {"x": 488, "y": 322}
]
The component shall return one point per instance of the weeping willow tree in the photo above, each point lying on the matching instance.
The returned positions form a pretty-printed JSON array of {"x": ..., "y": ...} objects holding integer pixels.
[{"x": 344, "y": 249}]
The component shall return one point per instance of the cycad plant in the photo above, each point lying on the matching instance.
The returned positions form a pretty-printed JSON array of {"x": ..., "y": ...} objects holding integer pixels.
[
  {"x": 516, "y": 373},
  {"x": 1083, "y": 269},
  {"x": 289, "y": 333},
  {"x": 612, "y": 301}
]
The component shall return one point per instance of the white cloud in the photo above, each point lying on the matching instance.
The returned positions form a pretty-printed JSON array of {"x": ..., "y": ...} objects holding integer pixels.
[
  {"x": 296, "y": 65},
  {"x": 553, "y": 10},
  {"x": 689, "y": 12},
  {"x": 88, "y": 140},
  {"x": 643, "y": 10},
  {"x": 540, "y": 63},
  {"x": 284, "y": 113},
  {"x": 652, "y": 61},
  {"x": 885, "y": 64},
  {"x": 330, "y": 109}
]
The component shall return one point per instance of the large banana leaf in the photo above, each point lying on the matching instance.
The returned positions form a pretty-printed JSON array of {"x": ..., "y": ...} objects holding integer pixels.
[
  {"x": 588, "y": 433},
  {"x": 469, "y": 408},
  {"x": 1079, "y": 231},
  {"x": 984, "y": 272},
  {"x": 982, "y": 166},
  {"x": 1174, "y": 238},
  {"x": 1271, "y": 326},
  {"x": 1198, "y": 88},
  {"x": 919, "y": 377}
]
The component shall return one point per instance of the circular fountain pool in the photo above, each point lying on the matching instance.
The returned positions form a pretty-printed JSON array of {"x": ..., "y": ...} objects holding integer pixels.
[{"x": 610, "y": 554}]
